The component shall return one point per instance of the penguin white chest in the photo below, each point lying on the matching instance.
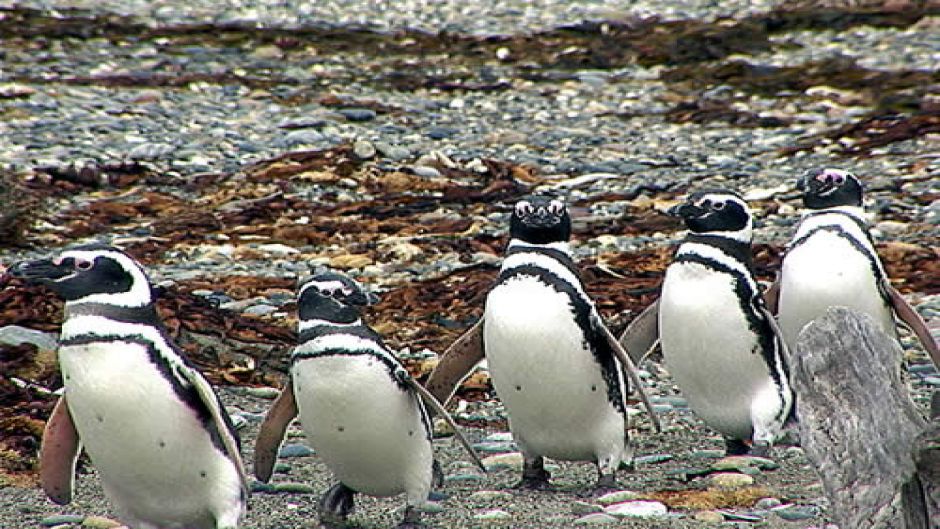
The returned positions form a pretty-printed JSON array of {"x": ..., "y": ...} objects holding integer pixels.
[
  {"x": 367, "y": 428},
  {"x": 710, "y": 349},
  {"x": 546, "y": 375},
  {"x": 826, "y": 271},
  {"x": 155, "y": 457}
]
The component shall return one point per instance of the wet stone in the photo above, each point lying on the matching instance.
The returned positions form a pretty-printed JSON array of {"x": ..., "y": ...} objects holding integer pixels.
[
  {"x": 61, "y": 519},
  {"x": 492, "y": 515},
  {"x": 465, "y": 477},
  {"x": 652, "y": 459},
  {"x": 511, "y": 460},
  {"x": 99, "y": 522},
  {"x": 295, "y": 450},
  {"x": 793, "y": 513},
  {"x": 426, "y": 172},
  {"x": 583, "y": 507},
  {"x": 596, "y": 518},
  {"x": 488, "y": 496},
  {"x": 638, "y": 509},
  {"x": 767, "y": 503},
  {"x": 618, "y": 496},
  {"x": 263, "y": 392},
  {"x": 364, "y": 149},
  {"x": 357, "y": 114},
  {"x": 708, "y": 517},
  {"x": 730, "y": 480},
  {"x": 260, "y": 310},
  {"x": 497, "y": 447},
  {"x": 294, "y": 488},
  {"x": 15, "y": 335}
]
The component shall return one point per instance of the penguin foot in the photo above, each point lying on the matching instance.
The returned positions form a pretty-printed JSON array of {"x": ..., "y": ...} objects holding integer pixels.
[
  {"x": 534, "y": 483},
  {"x": 736, "y": 447},
  {"x": 534, "y": 475},
  {"x": 336, "y": 505},
  {"x": 606, "y": 483},
  {"x": 412, "y": 519},
  {"x": 437, "y": 474}
]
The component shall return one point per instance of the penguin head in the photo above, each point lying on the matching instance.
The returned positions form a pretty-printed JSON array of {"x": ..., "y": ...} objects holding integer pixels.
[
  {"x": 333, "y": 297},
  {"x": 94, "y": 273},
  {"x": 717, "y": 212},
  {"x": 827, "y": 188},
  {"x": 539, "y": 219}
]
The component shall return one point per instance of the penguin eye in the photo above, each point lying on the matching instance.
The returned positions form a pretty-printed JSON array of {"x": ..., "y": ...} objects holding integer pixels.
[
  {"x": 718, "y": 206},
  {"x": 81, "y": 264},
  {"x": 556, "y": 207},
  {"x": 838, "y": 179},
  {"x": 524, "y": 208}
]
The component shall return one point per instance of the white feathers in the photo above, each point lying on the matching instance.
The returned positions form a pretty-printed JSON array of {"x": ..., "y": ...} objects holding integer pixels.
[
  {"x": 366, "y": 427},
  {"x": 831, "y": 263},
  {"x": 156, "y": 459},
  {"x": 311, "y": 323}
]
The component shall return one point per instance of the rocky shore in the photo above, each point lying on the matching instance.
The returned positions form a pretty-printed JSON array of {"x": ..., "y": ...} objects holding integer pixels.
[{"x": 235, "y": 147}]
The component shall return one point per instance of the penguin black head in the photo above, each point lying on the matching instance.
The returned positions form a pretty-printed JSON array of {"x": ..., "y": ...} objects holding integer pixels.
[
  {"x": 332, "y": 297},
  {"x": 827, "y": 188},
  {"x": 540, "y": 219},
  {"x": 718, "y": 212},
  {"x": 93, "y": 273}
]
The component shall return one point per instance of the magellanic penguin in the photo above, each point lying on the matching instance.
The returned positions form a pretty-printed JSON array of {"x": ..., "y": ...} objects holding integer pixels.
[
  {"x": 553, "y": 363},
  {"x": 832, "y": 261},
  {"x": 361, "y": 410},
  {"x": 163, "y": 444},
  {"x": 719, "y": 340}
]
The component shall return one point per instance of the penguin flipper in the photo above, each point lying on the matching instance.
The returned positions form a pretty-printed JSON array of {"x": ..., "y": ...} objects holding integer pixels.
[
  {"x": 58, "y": 454},
  {"x": 272, "y": 432},
  {"x": 435, "y": 404},
  {"x": 629, "y": 366},
  {"x": 909, "y": 316},
  {"x": 212, "y": 403},
  {"x": 642, "y": 334},
  {"x": 772, "y": 295},
  {"x": 456, "y": 363}
]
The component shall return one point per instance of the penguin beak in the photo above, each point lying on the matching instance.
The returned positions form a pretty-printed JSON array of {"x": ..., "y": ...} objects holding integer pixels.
[
  {"x": 685, "y": 211},
  {"x": 40, "y": 271},
  {"x": 362, "y": 299},
  {"x": 541, "y": 218}
]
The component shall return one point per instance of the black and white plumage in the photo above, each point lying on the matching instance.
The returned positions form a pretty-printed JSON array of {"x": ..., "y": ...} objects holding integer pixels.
[
  {"x": 719, "y": 341},
  {"x": 164, "y": 446},
  {"x": 831, "y": 261},
  {"x": 361, "y": 410},
  {"x": 554, "y": 364}
]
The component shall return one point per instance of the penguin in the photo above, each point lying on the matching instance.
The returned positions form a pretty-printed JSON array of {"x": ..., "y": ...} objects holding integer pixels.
[
  {"x": 719, "y": 341},
  {"x": 553, "y": 363},
  {"x": 832, "y": 261},
  {"x": 161, "y": 440},
  {"x": 362, "y": 412}
]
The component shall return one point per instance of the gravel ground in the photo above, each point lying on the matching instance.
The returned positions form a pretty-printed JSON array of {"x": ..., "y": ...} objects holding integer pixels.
[{"x": 59, "y": 105}]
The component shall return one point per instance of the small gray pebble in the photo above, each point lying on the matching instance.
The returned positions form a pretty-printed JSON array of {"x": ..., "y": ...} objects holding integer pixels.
[
  {"x": 295, "y": 450},
  {"x": 427, "y": 172},
  {"x": 357, "y": 114}
]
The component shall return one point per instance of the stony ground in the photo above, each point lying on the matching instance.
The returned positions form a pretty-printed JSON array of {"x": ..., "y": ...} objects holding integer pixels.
[{"x": 235, "y": 147}]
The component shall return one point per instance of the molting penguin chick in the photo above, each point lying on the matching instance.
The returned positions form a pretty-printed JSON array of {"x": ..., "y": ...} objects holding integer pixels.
[
  {"x": 164, "y": 446},
  {"x": 831, "y": 261},
  {"x": 719, "y": 341},
  {"x": 554, "y": 364},
  {"x": 361, "y": 410}
]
